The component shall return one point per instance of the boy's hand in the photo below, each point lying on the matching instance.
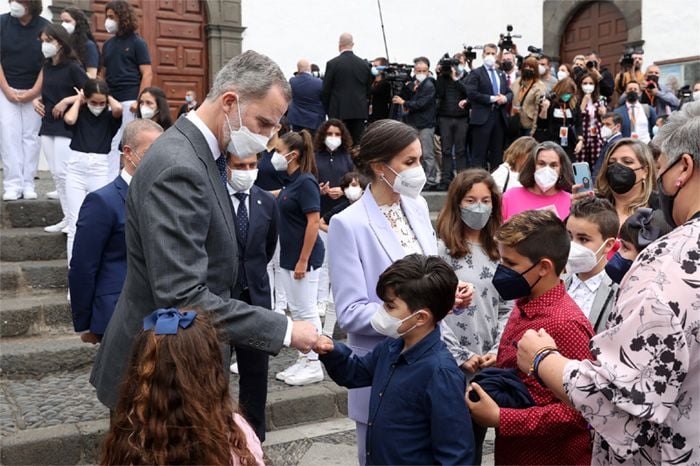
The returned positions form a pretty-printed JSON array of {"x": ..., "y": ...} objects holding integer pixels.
[
  {"x": 484, "y": 410},
  {"x": 487, "y": 360},
  {"x": 324, "y": 345},
  {"x": 472, "y": 364}
]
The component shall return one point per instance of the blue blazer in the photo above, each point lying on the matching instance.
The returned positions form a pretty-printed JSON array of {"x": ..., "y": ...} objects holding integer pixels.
[
  {"x": 306, "y": 108},
  {"x": 257, "y": 252},
  {"x": 626, "y": 123},
  {"x": 98, "y": 266},
  {"x": 479, "y": 92}
]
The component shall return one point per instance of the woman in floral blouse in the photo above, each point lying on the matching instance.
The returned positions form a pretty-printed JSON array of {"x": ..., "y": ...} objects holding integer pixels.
[{"x": 642, "y": 394}]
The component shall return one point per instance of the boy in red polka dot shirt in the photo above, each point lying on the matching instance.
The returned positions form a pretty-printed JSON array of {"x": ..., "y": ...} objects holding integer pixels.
[{"x": 534, "y": 247}]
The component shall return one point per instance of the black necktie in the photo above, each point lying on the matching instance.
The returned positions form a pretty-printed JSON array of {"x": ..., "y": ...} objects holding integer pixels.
[
  {"x": 221, "y": 165},
  {"x": 242, "y": 223}
]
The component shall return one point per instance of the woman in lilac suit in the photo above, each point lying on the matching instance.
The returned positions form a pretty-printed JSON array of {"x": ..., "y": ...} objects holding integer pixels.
[{"x": 388, "y": 222}]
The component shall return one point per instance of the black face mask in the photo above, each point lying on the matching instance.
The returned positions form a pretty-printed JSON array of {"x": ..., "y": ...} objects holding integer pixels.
[
  {"x": 632, "y": 97},
  {"x": 621, "y": 178},
  {"x": 653, "y": 77},
  {"x": 507, "y": 66},
  {"x": 528, "y": 73},
  {"x": 666, "y": 201}
]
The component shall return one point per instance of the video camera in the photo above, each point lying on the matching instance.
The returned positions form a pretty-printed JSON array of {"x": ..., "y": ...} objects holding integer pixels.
[
  {"x": 537, "y": 52},
  {"x": 507, "y": 38},
  {"x": 446, "y": 64},
  {"x": 469, "y": 53},
  {"x": 398, "y": 74},
  {"x": 627, "y": 61}
]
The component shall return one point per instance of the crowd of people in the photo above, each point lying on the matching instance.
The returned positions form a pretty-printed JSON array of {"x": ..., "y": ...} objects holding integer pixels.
[{"x": 560, "y": 271}]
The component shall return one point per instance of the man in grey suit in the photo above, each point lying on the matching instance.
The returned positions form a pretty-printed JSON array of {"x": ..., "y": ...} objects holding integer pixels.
[{"x": 180, "y": 233}]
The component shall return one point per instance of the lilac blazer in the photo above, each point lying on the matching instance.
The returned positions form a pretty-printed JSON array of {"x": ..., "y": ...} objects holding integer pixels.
[{"x": 361, "y": 245}]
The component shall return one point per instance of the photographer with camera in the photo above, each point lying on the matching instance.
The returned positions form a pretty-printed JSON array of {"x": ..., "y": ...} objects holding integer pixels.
[
  {"x": 604, "y": 78},
  {"x": 527, "y": 92},
  {"x": 631, "y": 69},
  {"x": 578, "y": 68},
  {"x": 488, "y": 94},
  {"x": 452, "y": 119},
  {"x": 418, "y": 101},
  {"x": 380, "y": 94},
  {"x": 658, "y": 95},
  {"x": 545, "y": 69}
]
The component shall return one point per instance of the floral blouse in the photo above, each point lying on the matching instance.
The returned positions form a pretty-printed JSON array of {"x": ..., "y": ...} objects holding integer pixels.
[
  {"x": 401, "y": 228},
  {"x": 642, "y": 395}
]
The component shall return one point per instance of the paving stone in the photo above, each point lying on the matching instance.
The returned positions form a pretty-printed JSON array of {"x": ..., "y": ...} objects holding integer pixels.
[
  {"x": 44, "y": 355},
  {"x": 27, "y": 315},
  {"x": 329, "y": 454},
  {"x": 31, "y": 244}
]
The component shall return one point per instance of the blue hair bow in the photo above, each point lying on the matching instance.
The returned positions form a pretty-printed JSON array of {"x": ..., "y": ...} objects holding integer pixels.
[{"x": 166, "y": 321}]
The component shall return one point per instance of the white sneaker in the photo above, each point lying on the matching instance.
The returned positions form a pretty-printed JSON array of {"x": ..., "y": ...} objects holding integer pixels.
[
  {"x": 321, "y": 307},
  {"x": 52, "y": 194},
  {"x": 282, "y": 376},
  {"x": 309, "y": 372},
  {"x": 65, "y": 229},
  {"x": 10, "y": 196},
  {"x": 57, "y": 228},
  {"x": 234, "y": 368},
  {"x": 30, "y": 194}
]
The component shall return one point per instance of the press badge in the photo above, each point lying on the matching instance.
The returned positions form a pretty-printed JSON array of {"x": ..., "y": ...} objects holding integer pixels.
[
  {"x": 564, "y": 136},
  {"x": 594, "y": 130},
  {"x": 634, "y": 136}
]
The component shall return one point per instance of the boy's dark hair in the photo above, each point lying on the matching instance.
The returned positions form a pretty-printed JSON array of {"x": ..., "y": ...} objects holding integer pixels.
[
  {"x": 347, "y": 178},
  {"x": 537, "y": 234},
  {"x": 616, "y": 118},
  {"x": 423, "y": 282},
  {"x": 652, "y": 221},
  {"x": 599, "y": 211}
]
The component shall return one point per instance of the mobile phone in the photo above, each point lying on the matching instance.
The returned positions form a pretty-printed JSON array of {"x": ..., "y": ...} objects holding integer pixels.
[{"x": 582, "y": 176}]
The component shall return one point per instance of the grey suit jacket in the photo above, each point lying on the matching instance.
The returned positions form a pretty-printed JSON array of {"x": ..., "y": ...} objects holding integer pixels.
[
  {"x": 181, "y": 252},
  {"x": 603, "y": 303}
]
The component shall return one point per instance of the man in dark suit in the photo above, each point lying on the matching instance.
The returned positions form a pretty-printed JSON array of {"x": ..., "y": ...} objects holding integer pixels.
[
  {"x": 180, "y": 233},
  {"x": 306, "y": 108},
  {"x": 98, "y": 265},
  {"x": 346, "y": 87},
  {"x": 611, "y": 132},
  {"x": 488, "y": 93},
  {"x": 255, "y": 217}
]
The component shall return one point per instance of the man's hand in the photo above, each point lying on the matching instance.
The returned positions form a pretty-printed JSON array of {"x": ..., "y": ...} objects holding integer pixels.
[
  {"x": 485, "y": 411},
  {"x": 324, "y": 345},
  {"x": 89, "y": 337},
  {"x": 501, "y": 99},
  {"x": 397, "y": 100},
  {"x": 472, "y": 364},
  {"x": 487, "y": 360},
  {"x": 304, "y": 335}
]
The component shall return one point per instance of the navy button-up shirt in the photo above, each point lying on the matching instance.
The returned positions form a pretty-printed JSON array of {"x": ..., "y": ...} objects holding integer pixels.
[{"x": 417, "y": 412}]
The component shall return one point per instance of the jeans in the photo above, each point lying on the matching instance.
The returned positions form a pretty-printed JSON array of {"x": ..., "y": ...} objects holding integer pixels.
[
  {"x": 19, "y": 144},
  {"x": 453, "y": 132},
  {"x": 425, "y": 136},
  {"x": 301, "y": 298}
]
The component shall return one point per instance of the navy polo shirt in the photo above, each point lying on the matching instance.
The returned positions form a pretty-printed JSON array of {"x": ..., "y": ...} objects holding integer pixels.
[
  {"x": 59, "y": 81},
  {"x": 92, "y": 55},
  {"x": 20, "y": 50},
  {"x": 300, "y": 196},
  {"x": 268, "y": 178},
  {"x": 122, "y": 57},
  {"x": 331, "y": 168},
  {"x": 93, "y": 134},
  {"x": 417, "y": 413}
]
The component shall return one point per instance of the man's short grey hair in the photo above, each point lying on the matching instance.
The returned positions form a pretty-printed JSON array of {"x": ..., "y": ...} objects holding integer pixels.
[
  {"x": 674, "y": 122},
  {"x": 251, "y": 75},
  {"x": 685, "y": 140},
  {"x": 136, "y": 127}
]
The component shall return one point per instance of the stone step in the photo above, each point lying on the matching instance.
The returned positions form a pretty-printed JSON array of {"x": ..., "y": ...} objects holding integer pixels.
[
  {"x": 436, "y": 200},
  {"x": 42, "y": 355},
  {"x": 31, "y": 244},
  {"x": 30, "y": 214},
  {"x": 46, "y": 312},
  {"x": 26, "y": 277}
]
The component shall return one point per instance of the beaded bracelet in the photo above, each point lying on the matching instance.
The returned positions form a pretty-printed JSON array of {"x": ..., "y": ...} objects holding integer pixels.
[{"x": 538, "y": 361}]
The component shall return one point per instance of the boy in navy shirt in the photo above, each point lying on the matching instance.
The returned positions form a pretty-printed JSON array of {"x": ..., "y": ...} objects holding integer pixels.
[{"x": 417, "y": 413}]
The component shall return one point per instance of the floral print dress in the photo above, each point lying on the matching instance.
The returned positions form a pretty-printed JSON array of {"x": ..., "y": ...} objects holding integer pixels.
[
  {"x": 592, "y": 140},
  {"x": 642, "y": 394}
]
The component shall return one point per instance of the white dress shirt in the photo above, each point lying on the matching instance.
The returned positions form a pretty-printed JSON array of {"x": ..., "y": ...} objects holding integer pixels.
[
  {"x": 641, "y": 127},
  {"x": 583, "y": 293},
  {"x": 126, "y": 177},
  {"x": 235, "y": 200}
]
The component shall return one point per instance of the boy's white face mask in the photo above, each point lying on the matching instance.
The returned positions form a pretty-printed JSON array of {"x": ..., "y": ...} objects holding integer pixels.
[{"x": 386, "y": 324}]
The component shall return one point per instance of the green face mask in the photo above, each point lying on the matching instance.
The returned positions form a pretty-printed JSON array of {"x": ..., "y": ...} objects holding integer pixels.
[{"x": 565, "y": 97}]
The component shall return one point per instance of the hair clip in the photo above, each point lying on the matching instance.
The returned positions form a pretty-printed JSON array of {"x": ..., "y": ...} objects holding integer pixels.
[
  {"x": 641, "y": 219},
  {"x": 166, "y": 321}
]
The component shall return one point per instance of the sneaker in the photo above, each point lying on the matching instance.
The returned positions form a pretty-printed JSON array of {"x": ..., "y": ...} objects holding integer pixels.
[
  {"x": 10, "y": 196},
  {"x": 57, "y": 228},
  {"x": 30, "y": 194},
  {"x": 65, "y": 229},
  {"x": 282, "y": 376},
  {"x": 234, "y": 368},
  {"x": 52, "y": 194},
  {"x": 309, "y": 372},
  {"x": 321, "y": 308}
]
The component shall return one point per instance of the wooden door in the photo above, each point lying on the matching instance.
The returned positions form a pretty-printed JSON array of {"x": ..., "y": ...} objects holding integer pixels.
[
  {"x": 597, "y": 26},
  {"x": 174, "y": 32}
]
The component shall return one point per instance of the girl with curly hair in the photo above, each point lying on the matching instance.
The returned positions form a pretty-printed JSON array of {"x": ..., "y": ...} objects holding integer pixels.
[
  {"x": 83, "y": 43},
  {"x": 174, "y": 406}
]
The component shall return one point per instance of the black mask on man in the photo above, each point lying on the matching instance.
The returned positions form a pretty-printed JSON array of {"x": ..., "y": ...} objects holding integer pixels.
[
  {"x": 632, "y": 97},
  {"x": 507, "y": 66}
]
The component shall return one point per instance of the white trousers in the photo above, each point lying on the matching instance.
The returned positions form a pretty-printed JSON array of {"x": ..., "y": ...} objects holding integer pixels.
[
  {"x": 58, "y": 152},
  {"x": 86, "y": 173},
  {"x": 114, "y": 158},
  {"x": 19, "y": 144},
  {"x": 274, "y": 272},
  {"x": 301, "y": 298},
  {"x": 323, "y": 278}
]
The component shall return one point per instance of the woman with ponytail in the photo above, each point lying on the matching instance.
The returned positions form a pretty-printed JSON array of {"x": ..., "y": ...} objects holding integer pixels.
[{"x": 301, "y": 249}]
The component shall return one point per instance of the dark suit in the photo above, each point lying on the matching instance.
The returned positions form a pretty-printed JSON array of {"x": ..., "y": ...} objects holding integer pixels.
[
  {"x": 346, "y": 86},
  {"x": 182, "y": 252},
  {"x": 487, "y": 120},
  {"x": 626, "y": 130},
  {"x": 253, "y": 257},
  {"x": 306, "y": 108},
  {"x": 98, "y": 266},
  {"x": 601, "y": 155}
]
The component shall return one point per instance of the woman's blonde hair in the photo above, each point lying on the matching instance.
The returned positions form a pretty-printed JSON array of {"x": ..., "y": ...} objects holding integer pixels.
[{"x": 520, "y": 149}]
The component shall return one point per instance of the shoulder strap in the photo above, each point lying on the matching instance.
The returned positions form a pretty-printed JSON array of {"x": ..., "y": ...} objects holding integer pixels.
[{"x": 505, "y": 185}]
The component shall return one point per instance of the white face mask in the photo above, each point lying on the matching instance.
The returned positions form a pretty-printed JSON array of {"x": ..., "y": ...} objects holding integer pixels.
[
  {"x": 409, "y": 182},
  {"x": 542, "y": 69},
  {"x": 279, "y": 161},
  {"x": 696, "y": 96},
  {"x": 605, "y": 132},
  {"x": 96, "y": 109},
  {"x": 243, "y": 142},
  {"x": 17, "y": 10},
  {"x": 147, "y": 112},
  {"x": 69, "y": 27},
  {"x": 111, "y": 25},
  {"x": 546, "y": 178},
  {"x": 562, "y": 75},
  {"x": 353, "y": 193},
  {"x": 420, "y": 77},
  {"x": 49, "y": 49},
  {"x": 333, "y": 142},
  {"x": 581, "y": 259},
  {"x": 588, "y": 88},
  {"x": 489, "y": 60},
  {"x": 242, "y": 180},
  {"x": 386, "y": 324}
]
